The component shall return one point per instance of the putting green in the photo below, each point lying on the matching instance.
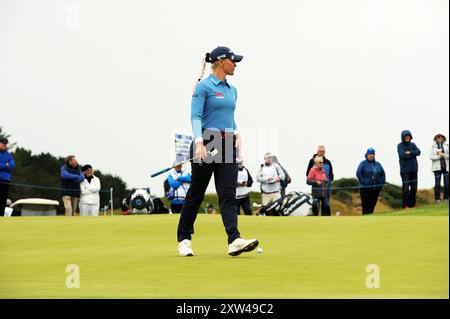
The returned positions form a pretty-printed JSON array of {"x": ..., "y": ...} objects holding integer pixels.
[{"x": 303, "y": 257}]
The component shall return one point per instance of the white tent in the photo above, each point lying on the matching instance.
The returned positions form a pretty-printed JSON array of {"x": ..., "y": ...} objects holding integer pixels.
[{"x": 36, "y": 207}]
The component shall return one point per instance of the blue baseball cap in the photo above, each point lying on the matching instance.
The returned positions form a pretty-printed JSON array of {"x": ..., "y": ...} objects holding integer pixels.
[
  {"x": 222, "y": 53},
  {"x": 370, "y": 151}
]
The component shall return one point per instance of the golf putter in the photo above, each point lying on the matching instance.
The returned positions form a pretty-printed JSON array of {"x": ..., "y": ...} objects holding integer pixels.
[{"x": 210, "y": 153}]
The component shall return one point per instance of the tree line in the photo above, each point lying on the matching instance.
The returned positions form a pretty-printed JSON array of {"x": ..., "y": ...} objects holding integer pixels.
[{"x": 43, "y": 170}]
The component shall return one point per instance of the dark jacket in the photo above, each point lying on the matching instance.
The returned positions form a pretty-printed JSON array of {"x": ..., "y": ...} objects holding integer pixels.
[
  {"x": 70, "y": 181},
  {"x": 326, "y": 165},
  {"x": 6, "y": 166},
  {"x": 371, "y": 173},
  {"x": 408, "y": 162},
  {"x": 287, "y": 179}
]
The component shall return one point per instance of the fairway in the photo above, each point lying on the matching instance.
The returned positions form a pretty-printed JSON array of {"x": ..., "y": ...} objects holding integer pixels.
[{"x": 136, "y": 257}]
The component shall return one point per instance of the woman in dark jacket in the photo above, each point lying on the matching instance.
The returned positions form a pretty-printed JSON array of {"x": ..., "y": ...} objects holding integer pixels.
[
  {"x": 371, "y": 177},
  {"x": 407, "y": 154}
]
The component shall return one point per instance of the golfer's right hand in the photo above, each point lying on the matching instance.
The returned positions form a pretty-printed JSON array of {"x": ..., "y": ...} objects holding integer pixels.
[{"x": 200, "y": 151}]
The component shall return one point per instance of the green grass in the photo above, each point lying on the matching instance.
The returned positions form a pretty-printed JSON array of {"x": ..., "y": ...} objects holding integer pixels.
[
  {"x": 427, "y": 210},
  {"x": 304, "y": 257}
]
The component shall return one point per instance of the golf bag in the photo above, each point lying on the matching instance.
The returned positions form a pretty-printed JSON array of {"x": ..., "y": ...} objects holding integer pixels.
[
  {"x": 141, "y": 201},
  {"x": 292, "y": 204}
]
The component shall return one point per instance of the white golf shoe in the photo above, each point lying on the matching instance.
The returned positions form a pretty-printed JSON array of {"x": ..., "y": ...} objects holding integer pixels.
[
  {"x": 185, "y": 248},
  {"x": 239, "y": 246}
]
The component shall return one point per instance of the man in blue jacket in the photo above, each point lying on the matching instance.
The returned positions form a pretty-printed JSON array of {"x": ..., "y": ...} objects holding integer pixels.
[
  {"x": 71, "y": 177},
  {"x": 371, "y": 177},
  {"x": 6, "y": 169},
  {"x": 407, "y": 153},
  {"x": 179, "y": 182}
]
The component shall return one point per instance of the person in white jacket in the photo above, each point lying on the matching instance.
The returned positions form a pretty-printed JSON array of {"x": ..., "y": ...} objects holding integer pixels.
[
  {"x": 269, "y": 175},
  {"x": 439, "y": 156},
  {"x": 243, "y": 186},
  {"x": 90, "y": 193}
]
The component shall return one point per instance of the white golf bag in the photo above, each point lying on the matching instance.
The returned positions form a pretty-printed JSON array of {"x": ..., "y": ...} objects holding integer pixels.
[{"x": 292, "y": 204}]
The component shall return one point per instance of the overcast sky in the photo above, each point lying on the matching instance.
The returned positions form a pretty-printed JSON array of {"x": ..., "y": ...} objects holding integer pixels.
[{"x": 110, "y": 81}]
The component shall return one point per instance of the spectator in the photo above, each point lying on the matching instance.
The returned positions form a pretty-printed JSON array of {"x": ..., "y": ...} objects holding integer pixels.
[
  {"x": 8, "y": 210},
  {"x": 408, "y": 152},
  {"x": 284, "y": 182},
  {"x": 244, "y": 182},
  {"x": 371, "y": 177},
  {"x": 318, "y": 179},
  {"x": 439, "y": 156},
  {"x": 6, "y": 168},
  {"x": 90, "y": 193},
  {"x": 209, "y": 209},
  {"x": 71, "y": 177},
  {"x": 328, "y": 169},
  {"x": 179, "y": 181},
  {"x": 269, "y": 175}
]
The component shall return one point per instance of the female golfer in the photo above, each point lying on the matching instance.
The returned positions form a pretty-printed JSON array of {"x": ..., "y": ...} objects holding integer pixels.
[{"x": 212, "y": 116}]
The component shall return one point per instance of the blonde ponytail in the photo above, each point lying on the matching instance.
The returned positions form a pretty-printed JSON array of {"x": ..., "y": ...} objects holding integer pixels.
[{"x": 207, "y": 58}]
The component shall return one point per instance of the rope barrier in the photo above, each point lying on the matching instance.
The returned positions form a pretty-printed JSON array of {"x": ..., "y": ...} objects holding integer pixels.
[
  {"x": 108, "y": 191},
  {"x": 378, "y": 185},
  {"x": 48, "y": 187}
]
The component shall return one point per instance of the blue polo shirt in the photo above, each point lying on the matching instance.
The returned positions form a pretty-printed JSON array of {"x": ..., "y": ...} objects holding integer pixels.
[{"x": 213, "y": 105}]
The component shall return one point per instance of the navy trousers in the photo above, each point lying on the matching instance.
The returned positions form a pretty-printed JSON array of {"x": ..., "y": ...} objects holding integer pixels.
[
  {"x": 225, "y": 177},
  {"x": 409, "y": 189}
]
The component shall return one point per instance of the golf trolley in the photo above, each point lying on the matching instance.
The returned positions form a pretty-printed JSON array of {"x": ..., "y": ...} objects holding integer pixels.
[
  {"x": 140, "y": 201},
  {"x": 292, "y": 204}
]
